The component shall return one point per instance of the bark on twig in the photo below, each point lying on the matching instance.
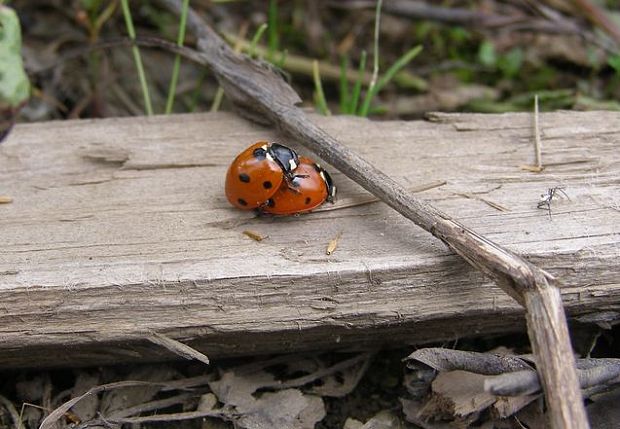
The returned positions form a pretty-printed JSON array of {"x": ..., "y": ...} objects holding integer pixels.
[
  {"x": 510, "y": 375},
  {"x": 526, "y": 382},
  {"x": 264, "y": 96}
]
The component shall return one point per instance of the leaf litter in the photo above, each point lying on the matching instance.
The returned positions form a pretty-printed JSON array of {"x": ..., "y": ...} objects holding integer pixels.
[
  {"x": 440, "y": 389},
  {"x": 284, "y": 392}
]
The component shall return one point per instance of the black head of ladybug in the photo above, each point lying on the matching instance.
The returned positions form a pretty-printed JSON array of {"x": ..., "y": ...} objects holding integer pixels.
[
  {"x": 331, "y": 188},
  {"x": 286, "y": 157}
]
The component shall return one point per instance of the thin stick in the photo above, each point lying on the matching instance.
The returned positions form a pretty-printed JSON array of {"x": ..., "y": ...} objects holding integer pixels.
[
  {"x": 537, "y": 135},
  {"x": 261, "y": 92},
  {"x": 538, "y": 167},
  {"x": 189, "y": 415},
  {"x": 489, "y": 203},
  {"x": 177, "y": 347},
  {"x": 323, "y": 372},
  {"x": 345, "y": 203},
  {"x": 50, "y": 421},
  {"x": 599, "y": 16},
  {"x": 154, "y": 405}
]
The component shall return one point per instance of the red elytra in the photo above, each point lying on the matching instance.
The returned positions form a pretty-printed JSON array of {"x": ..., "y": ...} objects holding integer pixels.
[
  {"x": 310, "y": 187},
  {"x": 257, "y": 173}
]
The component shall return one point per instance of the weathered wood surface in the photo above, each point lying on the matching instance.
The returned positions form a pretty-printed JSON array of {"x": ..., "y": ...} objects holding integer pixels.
[{"x": 119, "y": 228}]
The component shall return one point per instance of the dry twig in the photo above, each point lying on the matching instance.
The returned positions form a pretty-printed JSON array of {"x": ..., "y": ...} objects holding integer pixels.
[
  {"x": 510, "y": 375},
  {"x": 177, "y": 347}
]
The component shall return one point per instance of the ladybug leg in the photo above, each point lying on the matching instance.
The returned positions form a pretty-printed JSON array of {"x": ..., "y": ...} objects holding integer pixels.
[{"x": 268, "y": 203}]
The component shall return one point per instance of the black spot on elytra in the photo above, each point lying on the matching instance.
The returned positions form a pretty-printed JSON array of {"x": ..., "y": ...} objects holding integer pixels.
[
  {"x": 308, "y": 200},
  {"x": 244, "y": 178},
  {"x": 259, "y": 153},
  {"x": 242, "y": 202},
  {"x": 271, "y": 202},
  {"x": 267, "y": 184}
]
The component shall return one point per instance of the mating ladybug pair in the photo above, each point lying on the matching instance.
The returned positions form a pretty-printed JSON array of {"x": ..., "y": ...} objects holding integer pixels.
[{"x": 273, "y": 179}]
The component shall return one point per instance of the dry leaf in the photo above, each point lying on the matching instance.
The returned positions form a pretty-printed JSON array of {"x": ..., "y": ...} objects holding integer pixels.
[
  {"x": 342, "y": 382},
  {"x": 462, "y": 393},
  {"x": 207, "y": 402},
  {"x": 383, "y": 420},
  {"x": 506, "y": 406},
  {"x": 533, "y": 416},
  {"x": 286, "y": 409},
  {"x": 237, "y": 389},
  {"x": 481, "y": 363},
  {"x": 351, "y": 423},
  {"x": 413, "y": 410},
  {"x": 88, "y": 407},
  {"x": 126, "y": 397}
]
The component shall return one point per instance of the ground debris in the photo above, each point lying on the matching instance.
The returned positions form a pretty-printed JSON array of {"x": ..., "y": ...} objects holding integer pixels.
[
  {"x": 500, "y": 390},
  {"x": 285, "y": 392},
  {"x": 441, "y": 389},
  {"x": 333, "y": 244},
  {"x": 254, "y": 235},
  {"x": 87, "y": 408}
]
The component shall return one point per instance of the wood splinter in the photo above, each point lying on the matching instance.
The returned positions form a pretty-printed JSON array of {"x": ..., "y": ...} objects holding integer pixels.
[{"x": 333, "y": 244}]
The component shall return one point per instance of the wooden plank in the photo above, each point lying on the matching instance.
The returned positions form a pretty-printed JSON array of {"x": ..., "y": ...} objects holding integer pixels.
[{"x": 119, "y": 228}]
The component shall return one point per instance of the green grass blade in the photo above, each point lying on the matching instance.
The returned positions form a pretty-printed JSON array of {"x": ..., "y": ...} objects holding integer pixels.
[
  {"x": 385, "y": 78},
  {"x": 318, "y": 90},
  {"x": 357, "y": 87},
  {"x": 177, "y": 60},
  {"x": 259, "y": 33},
  {"x": 137, "y": 58},
  {"x": 217, "y": 99},
  {"x": 344, "y": 84},
  {"x": 272, "y": 20}
]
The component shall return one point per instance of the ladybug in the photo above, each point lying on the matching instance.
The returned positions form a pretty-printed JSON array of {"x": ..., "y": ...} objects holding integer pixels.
[
  {"x": 310, "y": 187},
  {"x": 258, "y": 172}
]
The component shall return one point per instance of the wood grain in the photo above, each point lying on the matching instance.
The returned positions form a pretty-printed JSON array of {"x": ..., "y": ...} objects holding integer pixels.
[{"x": 119, "y": 228}]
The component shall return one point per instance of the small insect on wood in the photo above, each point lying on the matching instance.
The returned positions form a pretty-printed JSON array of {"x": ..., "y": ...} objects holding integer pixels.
[{"x": 545, "y": 199}]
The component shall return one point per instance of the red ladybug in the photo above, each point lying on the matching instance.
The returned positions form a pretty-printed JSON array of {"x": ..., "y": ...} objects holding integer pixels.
[
  {"x": 258, "y": 172},
  {"x": 310, "y": 187}
]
